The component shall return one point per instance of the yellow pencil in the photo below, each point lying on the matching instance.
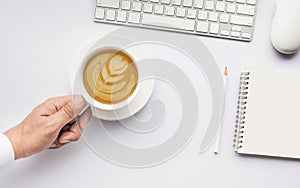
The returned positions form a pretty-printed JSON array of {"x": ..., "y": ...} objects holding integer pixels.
[{"x": 218, "y": 139}]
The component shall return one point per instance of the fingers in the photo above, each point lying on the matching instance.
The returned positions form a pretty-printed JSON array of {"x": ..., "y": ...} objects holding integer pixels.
[
  {"x": 52, "y": 105},
  {"x": 85, "y": 118},
  {"x": 72, "y": 107},
  {"x": 72, "y": 133},
  {"x": 76, "y": 128},
  {"x": 56, "y": 145},
  {"x": 70, "y": 136}
]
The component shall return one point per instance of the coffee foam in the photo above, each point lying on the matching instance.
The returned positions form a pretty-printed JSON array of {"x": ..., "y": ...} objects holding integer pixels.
[{"x": 110, "y": 76}]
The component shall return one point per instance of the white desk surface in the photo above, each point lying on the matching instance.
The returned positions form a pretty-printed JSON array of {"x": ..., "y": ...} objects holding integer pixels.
[{"x": 38, "y": 43}]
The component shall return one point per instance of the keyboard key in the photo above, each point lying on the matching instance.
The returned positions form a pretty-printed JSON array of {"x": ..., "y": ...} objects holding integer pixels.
[
  {"x": 251, "y": 2},
  {"x": 202, "y": 15},
  {"x": 167, "y": 2},
  {"x": 224, "y": 32},
  {"x": 246, "y": 35},
  {"x": 220, "y": 6},
  {"x": 148, "y": 8},
  {"x": 134, "y": 17},
  {"x": 108, "y": 3},
  {"x": 224, "y": 18},
  {"x": 241, "y": 1},
  {"x": 231, "y": 8},
  {"x": 246, "y": 9},
  {"x": 187, "y": 3},
  {"x": 180, "y": 12},
  {"x": 168, "y": 22},
  {"x": 235, "y": 34},
  {"x": 213, "y": 16},
  {"x": 121, "y": 16},
  {"x": 99, "y": 13},
  {"x": 225, "y": 26},
  {"x": 209, "y": 5},
  {"x": 198, "y": 4},
  {"x": 170, "y": 11},
  {"x": 202, "y": 27},
  {"x": 137, "y": 6},
  {"x": 191, "y": 13},
  {"x": 176, "y": 2},
  {"x": 159, "y": 9},
  {"x": 214, "y": 28},
  {"x": 110, "y": 15},
  {"x": 126, "y": 5},
  {"x": 241, "y": 20},
  {"x": 236, "y": 28}
]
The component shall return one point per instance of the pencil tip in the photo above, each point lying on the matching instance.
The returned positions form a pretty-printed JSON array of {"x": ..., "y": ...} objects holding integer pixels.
[{"x": 226, "y": 71}]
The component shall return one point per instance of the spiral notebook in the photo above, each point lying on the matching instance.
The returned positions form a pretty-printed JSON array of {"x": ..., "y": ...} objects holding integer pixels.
[{"x": 268, "y": 116}]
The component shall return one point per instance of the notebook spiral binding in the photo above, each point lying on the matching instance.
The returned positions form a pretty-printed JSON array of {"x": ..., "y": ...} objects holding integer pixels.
[{"x": 241, "y": 112}]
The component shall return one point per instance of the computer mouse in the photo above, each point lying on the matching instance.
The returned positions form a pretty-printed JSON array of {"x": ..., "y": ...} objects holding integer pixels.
[{"x": 285, "y": 33}]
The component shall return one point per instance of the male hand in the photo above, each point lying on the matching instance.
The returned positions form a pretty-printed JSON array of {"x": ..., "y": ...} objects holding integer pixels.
[{"x": 49, "y": 125}]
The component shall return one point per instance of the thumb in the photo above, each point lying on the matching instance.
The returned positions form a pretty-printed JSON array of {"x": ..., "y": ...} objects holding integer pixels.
[{"x": 68, "y": 112}]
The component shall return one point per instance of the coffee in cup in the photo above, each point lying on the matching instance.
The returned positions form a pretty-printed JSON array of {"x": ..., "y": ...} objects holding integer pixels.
[{"x": 110, "y": 76}]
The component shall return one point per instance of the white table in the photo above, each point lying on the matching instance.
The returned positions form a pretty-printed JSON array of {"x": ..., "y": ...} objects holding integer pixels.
[{"x": 38, "y": 43}]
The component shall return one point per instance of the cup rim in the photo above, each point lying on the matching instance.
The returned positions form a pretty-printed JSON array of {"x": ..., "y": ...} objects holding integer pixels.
[{"x": 89, "y": 98}]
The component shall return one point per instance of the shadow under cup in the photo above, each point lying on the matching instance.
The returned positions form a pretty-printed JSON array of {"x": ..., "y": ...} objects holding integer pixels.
[{"x": 109, "y": 78}]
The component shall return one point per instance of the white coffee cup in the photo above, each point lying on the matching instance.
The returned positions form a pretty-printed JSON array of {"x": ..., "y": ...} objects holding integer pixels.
[
  {"x": 139, "y": 97},
  {"x": 89, "y": 98}
]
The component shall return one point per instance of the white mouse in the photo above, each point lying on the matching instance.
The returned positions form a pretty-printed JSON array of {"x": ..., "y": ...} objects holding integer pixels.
[{"x": 285, "y": 34}]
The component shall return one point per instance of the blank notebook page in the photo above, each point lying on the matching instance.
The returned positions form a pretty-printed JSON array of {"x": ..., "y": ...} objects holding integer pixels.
[{"x": 272, "y": 115}]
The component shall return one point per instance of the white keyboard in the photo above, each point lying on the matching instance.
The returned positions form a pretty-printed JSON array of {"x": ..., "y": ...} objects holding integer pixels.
[{"x": 231, "y": 19}]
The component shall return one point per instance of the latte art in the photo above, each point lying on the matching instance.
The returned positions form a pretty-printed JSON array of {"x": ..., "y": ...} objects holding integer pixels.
[{"x": 110, "y": 77}]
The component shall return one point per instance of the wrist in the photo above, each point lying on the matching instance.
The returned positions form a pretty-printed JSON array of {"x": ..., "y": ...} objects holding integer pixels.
[{"x": 12, "y": 134}]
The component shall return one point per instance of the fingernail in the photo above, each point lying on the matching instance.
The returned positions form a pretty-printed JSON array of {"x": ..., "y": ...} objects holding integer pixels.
[
  {"x": 78, "y": 100},
  {"x": 65, "y": 141}
]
